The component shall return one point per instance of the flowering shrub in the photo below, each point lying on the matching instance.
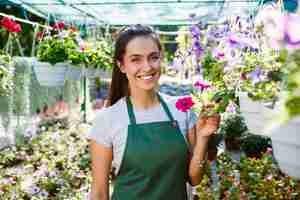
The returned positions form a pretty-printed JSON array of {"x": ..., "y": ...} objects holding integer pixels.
[
  {"x": 53, "y": 165},
  {"x": 249, "y": 179}
]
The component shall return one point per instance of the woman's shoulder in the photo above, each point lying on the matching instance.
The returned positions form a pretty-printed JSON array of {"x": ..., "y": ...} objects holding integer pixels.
[{"x": 111, "y": 112}]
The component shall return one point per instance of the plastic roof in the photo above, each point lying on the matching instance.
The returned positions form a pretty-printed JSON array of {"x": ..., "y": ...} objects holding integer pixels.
[{"x": 152, "y": 12}]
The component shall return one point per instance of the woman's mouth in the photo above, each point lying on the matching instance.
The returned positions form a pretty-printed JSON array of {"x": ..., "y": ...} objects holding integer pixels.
[{"x": 147, "y": 76}]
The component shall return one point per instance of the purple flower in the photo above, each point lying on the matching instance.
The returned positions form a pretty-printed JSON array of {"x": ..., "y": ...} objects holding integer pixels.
[
  {"x": 291, "y": 35},
  {"x": 195, "y": 31},
  {"x": 197, "y": 48},
  {"x": 217, "y": 53},
  {"x": 233, "y": 41},
  {"x": 231, "y": 108},
  {"x": 33, "y": 190},
  {"x": 255, "y": 76},
  {"x": 44, "y": 194}
]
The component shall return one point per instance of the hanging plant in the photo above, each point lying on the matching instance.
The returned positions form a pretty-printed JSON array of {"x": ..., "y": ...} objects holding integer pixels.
[
  {"x": 56, "y": 48},
  {"x": 6, "y": 82},
  {"x": 93, "y": 55}
]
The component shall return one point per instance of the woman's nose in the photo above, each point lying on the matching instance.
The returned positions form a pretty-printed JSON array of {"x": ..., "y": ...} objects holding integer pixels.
[{"x": 147, "y": 65}]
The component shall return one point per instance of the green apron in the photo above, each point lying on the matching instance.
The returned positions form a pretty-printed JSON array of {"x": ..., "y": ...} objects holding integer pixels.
[{"x": 155, "y": 162}]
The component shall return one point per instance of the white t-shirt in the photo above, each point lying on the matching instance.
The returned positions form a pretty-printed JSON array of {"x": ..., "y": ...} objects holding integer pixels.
[{"x": 111, "y": 124}]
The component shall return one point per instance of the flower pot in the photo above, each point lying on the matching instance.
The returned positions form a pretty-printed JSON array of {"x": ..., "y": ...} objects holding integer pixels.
[
  {"x": 212, "y": 154},
  {"x": 256, "y": 114},
  {"x": 50, "y": 75},
  {"x": 286, "y": 146},
  {"x": 232, "y": 144},
  {"x": 73, "y": 73}
]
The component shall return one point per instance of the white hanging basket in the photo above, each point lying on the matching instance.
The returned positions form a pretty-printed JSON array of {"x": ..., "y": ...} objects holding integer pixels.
[
  {"x": 50, "y": 75},
  {"x": 286, "y": 146},
  {"x": 256, "y": 114},
  {"x": 74, "y": 73}
]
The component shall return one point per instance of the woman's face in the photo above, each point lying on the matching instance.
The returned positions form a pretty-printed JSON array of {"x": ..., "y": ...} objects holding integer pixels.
[{"x": 141, "y": 63}]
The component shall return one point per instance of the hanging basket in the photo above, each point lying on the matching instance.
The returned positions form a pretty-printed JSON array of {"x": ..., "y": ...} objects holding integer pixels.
[
  {"x": 50, "y": 75},
  {"x": 256, "y": 114},
  {"x": 286, "y": 146},
  {"x": 74, "y": 73}
]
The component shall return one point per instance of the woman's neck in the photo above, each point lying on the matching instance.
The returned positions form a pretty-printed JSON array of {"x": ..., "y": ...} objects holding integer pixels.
[{"x": 144, "y": 100}]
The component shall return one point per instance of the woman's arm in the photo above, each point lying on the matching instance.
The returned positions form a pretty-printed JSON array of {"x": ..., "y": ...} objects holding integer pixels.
[
  {"x": 101, "y": 166},
  {"x": 198, "y": 137}
]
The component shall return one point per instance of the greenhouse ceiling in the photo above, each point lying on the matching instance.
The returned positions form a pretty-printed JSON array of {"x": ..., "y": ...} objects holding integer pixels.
[{"x": 152, "y": 12}]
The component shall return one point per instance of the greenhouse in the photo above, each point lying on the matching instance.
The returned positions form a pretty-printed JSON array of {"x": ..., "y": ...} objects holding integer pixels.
[{"x": 150, "y": 99}]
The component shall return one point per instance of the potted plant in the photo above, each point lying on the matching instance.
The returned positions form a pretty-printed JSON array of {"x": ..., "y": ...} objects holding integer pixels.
[
  {"x": 261, "y": 80},
  {"x": 285, "y": 134},
  {"x": 92, "y": 56},
  {"x": 52, "y": 56},
  {"x": 233, "y": 127},
  {"x": 255, "y": 145}
]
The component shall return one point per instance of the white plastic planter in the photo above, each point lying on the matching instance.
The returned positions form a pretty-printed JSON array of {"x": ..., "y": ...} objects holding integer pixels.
[
  {"x": 50, "y": 75},
  {"x": 256, "y": 114},
  {"x": 74, "y": 73},
  {"x": 286, "y": 146}
]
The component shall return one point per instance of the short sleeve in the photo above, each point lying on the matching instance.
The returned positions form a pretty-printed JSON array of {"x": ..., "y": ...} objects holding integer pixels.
[
  {"x": 101, "y": 129},
  {"x": 192, "y": 119}
]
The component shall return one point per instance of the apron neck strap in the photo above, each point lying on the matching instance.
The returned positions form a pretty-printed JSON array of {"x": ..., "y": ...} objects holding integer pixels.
[
  {"x": 131, "y": 113},
  {"x": 165, "y": 107}
]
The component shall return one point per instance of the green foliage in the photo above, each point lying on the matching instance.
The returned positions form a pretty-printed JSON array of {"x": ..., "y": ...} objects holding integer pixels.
[
  {"x": 6, "y": 76},
  {"x": 249, "y": 179},
  {"x": 292, "y": 105},
  {"x": 54, "y": 49},
  {"x": 233, "y": 125},
  {"x": 99, "y": 55},
  {"x": 271, "y": 75},
  {"x": 254, "y": 145},
  {"x": 213, "y": 70}
]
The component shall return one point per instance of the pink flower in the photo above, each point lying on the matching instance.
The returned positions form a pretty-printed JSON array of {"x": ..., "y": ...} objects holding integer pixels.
[
  {"x": 269, "y": 151},
  {"x": 269, "y": 178},
  {"x": 201, "y": 85},
  {"x": 184, "y": 104}
]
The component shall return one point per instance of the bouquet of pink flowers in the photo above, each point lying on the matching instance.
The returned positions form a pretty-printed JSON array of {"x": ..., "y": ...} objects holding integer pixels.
[{"x": 206, "y": 100}]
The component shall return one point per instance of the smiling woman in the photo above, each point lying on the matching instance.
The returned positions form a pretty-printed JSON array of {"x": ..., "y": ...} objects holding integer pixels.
[{"x": 141, "y": 134}]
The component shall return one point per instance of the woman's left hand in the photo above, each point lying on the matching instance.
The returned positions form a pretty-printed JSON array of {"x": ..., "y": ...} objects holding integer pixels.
[{"x": 206, "y": 126}]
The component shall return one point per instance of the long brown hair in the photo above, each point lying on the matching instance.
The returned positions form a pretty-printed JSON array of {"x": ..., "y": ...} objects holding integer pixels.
[{"x": 119, "y": 86}]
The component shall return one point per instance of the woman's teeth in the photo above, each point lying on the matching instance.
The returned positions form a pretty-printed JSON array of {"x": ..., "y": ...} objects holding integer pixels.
[{"x": 146, "y": 77}]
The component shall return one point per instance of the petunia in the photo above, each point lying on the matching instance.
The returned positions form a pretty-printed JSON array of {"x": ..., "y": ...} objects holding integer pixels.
[
  {"x": 202, "y": 85},
  {"x": 184, "y": 104},
  {"x": 255, "y": 76},
  {"x": 231, "y": 108}
]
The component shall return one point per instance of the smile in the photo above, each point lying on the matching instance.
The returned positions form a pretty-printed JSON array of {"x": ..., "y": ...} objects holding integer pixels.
[{"x": 146, "y": 77}]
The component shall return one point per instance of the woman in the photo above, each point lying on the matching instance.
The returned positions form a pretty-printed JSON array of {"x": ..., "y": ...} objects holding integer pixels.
[{"x": 138, "y": 133}]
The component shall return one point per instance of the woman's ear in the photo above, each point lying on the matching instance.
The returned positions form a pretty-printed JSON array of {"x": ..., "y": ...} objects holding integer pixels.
[{"x": 120, "y": 67}]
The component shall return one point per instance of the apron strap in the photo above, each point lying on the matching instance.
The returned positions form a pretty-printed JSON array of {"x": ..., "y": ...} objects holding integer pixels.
[
  {"x": 131, "y": 113},
  {"x": 165, "y": 107}
]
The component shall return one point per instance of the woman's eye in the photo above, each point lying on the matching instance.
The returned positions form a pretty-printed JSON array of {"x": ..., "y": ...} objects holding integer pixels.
[
  {"x": 135, "y": 60},
  {"x": 155, "y": 58}
]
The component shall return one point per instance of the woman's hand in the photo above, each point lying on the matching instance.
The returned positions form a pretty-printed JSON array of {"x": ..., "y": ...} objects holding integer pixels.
[{"x": 206, "y": 126}]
